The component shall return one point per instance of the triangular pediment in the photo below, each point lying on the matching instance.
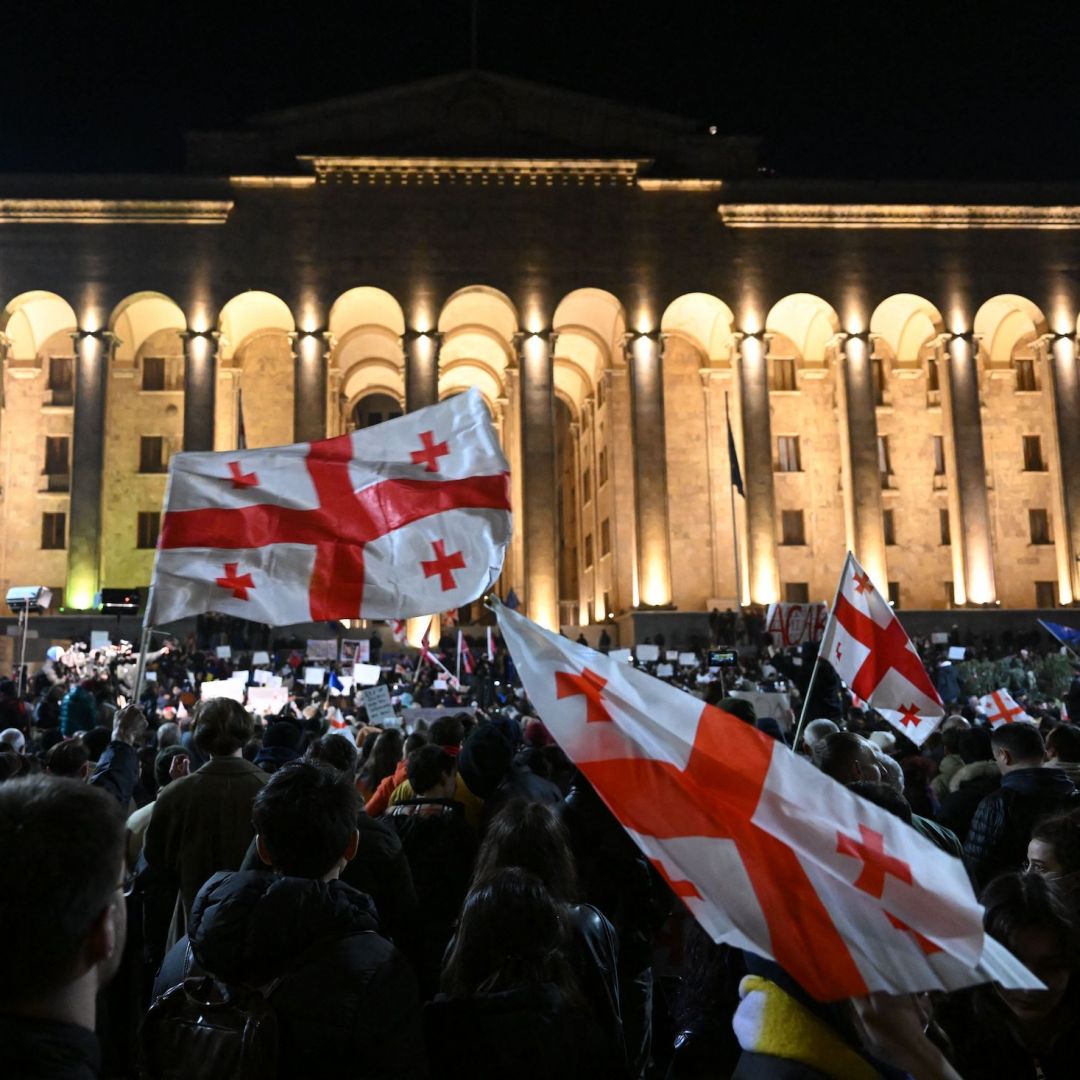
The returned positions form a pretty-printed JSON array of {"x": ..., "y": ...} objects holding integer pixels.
[{"x": 473, "y": 114}]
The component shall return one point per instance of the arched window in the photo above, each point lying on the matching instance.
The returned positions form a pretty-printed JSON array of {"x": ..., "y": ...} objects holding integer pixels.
[{"x": 374, "y": 409}]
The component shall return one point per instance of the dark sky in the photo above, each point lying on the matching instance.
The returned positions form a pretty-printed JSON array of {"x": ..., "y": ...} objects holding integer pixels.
[{"x": 953, "y": 89}]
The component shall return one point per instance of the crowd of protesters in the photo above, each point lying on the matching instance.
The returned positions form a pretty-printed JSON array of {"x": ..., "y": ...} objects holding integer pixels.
[{"x": 189, "y": 889}]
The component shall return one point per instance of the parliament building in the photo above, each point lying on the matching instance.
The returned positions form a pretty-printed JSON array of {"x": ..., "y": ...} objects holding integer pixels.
[{"x": 897, "y": 361}]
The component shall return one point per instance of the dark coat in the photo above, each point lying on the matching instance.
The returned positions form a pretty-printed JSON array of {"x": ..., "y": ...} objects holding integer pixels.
[
  {"x": 998, "y": 838},
  {"x": 528, "y": 1034},
  {"x": 117, "y": 772},
  {"x": 78, "y": 711},
  {"x": 520, "y": 782},
  {"x": 347, "y": 1003},
  {"x": 47, "y": 1050}
]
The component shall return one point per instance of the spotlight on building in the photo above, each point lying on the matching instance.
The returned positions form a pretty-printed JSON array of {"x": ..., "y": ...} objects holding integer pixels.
[{"x": 119, "y": 601}]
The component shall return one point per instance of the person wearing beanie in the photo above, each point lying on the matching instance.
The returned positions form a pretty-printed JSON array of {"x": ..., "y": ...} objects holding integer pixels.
[{"x": 280, "y": 745}]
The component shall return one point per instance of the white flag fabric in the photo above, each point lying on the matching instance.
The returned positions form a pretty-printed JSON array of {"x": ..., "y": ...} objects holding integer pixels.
[
  {"x": 405, "y": 518},
  {"x": 867, "y": 646},
  {"x": 768, "y": 853},
  {"x": 1000, "y": 707}
]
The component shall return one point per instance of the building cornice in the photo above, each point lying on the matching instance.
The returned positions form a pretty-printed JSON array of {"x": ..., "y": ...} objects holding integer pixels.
[
  {"x": 115, "y": 211},
  {"x": 895, "y": 216},
  {"x": 656, "y": 184},
  {"x": 262, "y": 182},
  {"x": 517, "y": 172}
]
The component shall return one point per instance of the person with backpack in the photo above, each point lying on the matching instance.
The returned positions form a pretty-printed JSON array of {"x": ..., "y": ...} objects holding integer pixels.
[{"x": 286, "y": 974}]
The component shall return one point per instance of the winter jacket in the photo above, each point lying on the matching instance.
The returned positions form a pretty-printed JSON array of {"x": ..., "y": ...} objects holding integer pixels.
[
  {"x": 78, "y": 711},
  {"x": 950, "y": 765},
  {"x": 531, "y": 1033},
  {"x": 959, "y": 806},
  {"x": 47, "y": 1050},
  {"x": 347, "y": 1004},
  {"x": 117, "y": 772},
  {"x": 1001, "y": 828},
  {"x": 380, "y": 798},
  {"x": 520, "y": 782}
]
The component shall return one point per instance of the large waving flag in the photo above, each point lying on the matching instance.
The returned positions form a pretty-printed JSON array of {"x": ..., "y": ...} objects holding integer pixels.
[
  {"x": 401, "y": 519},
  {"x": 867, "y": 646},
  {"x": 768, "y": 853},
  {"x": 1000, "y": 707}
]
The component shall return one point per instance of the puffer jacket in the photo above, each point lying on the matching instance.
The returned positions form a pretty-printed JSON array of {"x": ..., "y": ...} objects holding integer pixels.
[
  {"x": 78, "y": 711},
  {"x": 998, "y": 838},
  {"x": 347, "y": 1004}
]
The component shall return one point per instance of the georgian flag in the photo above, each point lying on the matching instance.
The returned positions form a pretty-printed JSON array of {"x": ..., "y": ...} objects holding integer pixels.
[
  {"x": 867, "y": 646},
  {"x": 405, "y": 518},
  {"x": 767, "y": 853},
  {"x": 999, "y": 707}
]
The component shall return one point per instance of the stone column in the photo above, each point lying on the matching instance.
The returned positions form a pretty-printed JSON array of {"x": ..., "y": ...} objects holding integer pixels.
[
  {"x": 644, "y": 359},
  {"x": 1064, "y": 384},
  {"x": 92, "y": 352},
  {"x": 311, "y": 351},
  {"x": 200, "y": 388},
  {"x": 757, "y": 471},
  {"x": 966, "y": 465},
  {"x": 859, "y": 459},
  {"x": 421, "y": 368},
  {"x": 538, "y": 509}
]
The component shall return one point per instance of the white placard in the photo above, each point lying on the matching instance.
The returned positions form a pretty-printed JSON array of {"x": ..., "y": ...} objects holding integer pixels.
[
  {"x": 440, "y": 684},
  {"x": 243, "y": 676},
  {"x": 227, "y": 688},
  {"x": 223, "y": 652},
  {"x": 665, "y": 671},
  {"x": 621, "y": 655},
  {"x": 671, "y": 654},
  {"x": 262, "y": 678},
  {"x": 647, "y": 654},
  {"x": 366, "y": 674},
  {"x": 99, "y": 639},
  {"x": 260, "y": 657},
  {"x": 687, "y": 659},
  {"x": 379, "y": 709},
  {"x": 267, "y": 699},
  {"x": 150, "y": 676},
  {"x": 939, "y": 637},
  {"x": 275, "y": 680},
  {"x": 313, "y": 676},
  {"x": 957, "y": 652}
]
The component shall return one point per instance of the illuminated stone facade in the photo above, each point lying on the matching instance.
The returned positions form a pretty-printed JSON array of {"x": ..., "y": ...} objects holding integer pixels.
[{"x": 898, "y": 361}]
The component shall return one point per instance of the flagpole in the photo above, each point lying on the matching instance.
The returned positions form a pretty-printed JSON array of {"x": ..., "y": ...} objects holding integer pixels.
[
  {"x": 818, "y": 661},
  {"x": 734, "y": 522},
  {"x": 144, "y": 647},
  {"x": 457, "y": 667}
]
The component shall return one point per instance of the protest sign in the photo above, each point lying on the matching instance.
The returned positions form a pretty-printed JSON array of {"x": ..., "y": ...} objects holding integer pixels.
[
  {"x": 350, "y": 648},
  {"x": 671, "y": 655},
  {"x": 267, "y": 699},
  {"x": 366, "y": 674},
  {"x": 313, "y": 676},
  {"x": 99, "y": 639},
  {"x": 688, "y": 659},
  {"x": 243, "y": 676},
  {"x": 647, "y": 654},
  {"x": 795, "y": 624},
  {"x": 226, "y": 688},
  {"x": 260, "y": 678},
  {"x": 223, "y": 652},
  {"x": 379, "y": 709},
  {"x": 321, "y": 649},
  {"x": 260, "y": 657},
  {"x": 623, "y": 655},
  {"x": 665, "y": 671}
]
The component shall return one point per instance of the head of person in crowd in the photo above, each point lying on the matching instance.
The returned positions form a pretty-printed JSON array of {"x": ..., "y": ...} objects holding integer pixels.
[
  {"x": 1028, "y": 914},
  {"x": 1062, "y": 747},
  {"x": 513, "y": 934},
  {"x": 815, "y": 733},
  {"x": 532, "y": 836},
  {"x": 280, "y": 745},
  {"x": 432, "y": 772},
  {"x": 892, "y": 772},
  {"x": 168, "y": 734},
  {"x": 70, "y": 759},
  {"x": 222, "y": 727},
  {"x": 954, "y": 722},
  {"x": 12, "y": 739},
  {"x": 1054, "y": 848},
  {"x": 305, "y": 821},
  {"x": 95, "y": 740},
  {"x": 974, "y": 745},
  {"x": 413, "y": 742},
  {"x": 166, "y": 768},
  {"x": 485, "y": 757},
  {"x": 740, "y": 708},
  {"x": 67, "y": 898},
  {"x": 848, "y": 757},
  {"x": 337, "y": 751},
  {"x": 1017, "y": 746},
  {"x": 447, "y": 732},
  {"x": 885, "y": 741},
  {"x": 884, "y": 795},
  {"x": 384, "y": 757}
]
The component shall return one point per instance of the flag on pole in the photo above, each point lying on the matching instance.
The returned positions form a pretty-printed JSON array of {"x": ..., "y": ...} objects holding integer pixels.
[
  {"x": 1000, "y": 708},
  {"x": 867, "y": 646},
  {"x": 401, "y": 519},
  {"x": 767, "y": 853},
  {"x": 1067, "y": 635},
  {"x": 398, "y": 630},
  {"x": 733, "y": 457},
  {"x": 464, "y": 654},
  {"x": 241, "y": 433},
  {"x": 334, "y": 683}
]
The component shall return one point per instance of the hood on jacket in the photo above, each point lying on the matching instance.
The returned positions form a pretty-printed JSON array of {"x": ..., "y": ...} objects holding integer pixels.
[
  {"x": 1039, "y": 781},
  {"x": 250, "y": 926}
]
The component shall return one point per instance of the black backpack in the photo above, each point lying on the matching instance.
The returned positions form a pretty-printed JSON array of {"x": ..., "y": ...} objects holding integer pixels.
[{"x": 210, "y": 1029}]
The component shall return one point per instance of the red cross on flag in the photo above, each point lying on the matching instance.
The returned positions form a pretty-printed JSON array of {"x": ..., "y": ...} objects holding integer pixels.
[
  {"x": 1000, "y": 708},
  {"x": 405, "y": 518},
  {"x": 767, "y": 853},
  {"x": 869, "y": 649}
]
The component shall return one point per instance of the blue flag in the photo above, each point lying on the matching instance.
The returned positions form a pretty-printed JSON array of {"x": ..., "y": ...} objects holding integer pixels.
[
  {"x": 1067, "y": 635},
  {"x": 335, "y": 683},
  {"x": 733, "y": 457}
]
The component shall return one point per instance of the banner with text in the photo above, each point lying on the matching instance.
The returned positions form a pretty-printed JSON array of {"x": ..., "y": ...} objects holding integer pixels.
[{"x": 796, "y": 624}]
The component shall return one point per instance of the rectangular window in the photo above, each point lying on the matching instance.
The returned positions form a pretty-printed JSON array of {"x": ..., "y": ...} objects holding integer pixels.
[
  {"x": 600, "y": 394},
  {"x": 787, "y": 453},
  {"x": 586, "y": 485},
  {"x": 1045, "y": 594},
  {"x": 884, "y": 461},
  {"x": 894, "y": 593},
  {"x": 939, "y": 455},
  {"x": 151, "y": 454},
  {"x": 605, "y": 537},
  {"x": 933, "y": 376},
  {"x": 153, "y": 373},
  {"x": 53, "y": 531},
  {"x": 1033, "y": 455},
  {"x": 147, "y": 529},
  {"x": 943, "y": 525},
  {"x": 601, "y": 467},
  {"x": 588, "y": 551},
  {"x": 1026, "y": 378},
  {"x": 783, "y": 372},
  {"x": 877, "y": 371},
  {"x": 57, "y": 462},
  {"x": 950, "y": 594},
  {"x": 1039, "y": 525},
  {"x": 792, "y": 527},
  {"x": 796, "y": 592},
  {"x": 888, "y": 521},
  {"x": 62, "y": 379}
]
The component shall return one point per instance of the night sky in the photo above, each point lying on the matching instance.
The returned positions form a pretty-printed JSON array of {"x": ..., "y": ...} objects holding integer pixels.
[{"x": 954, "y": 89}]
